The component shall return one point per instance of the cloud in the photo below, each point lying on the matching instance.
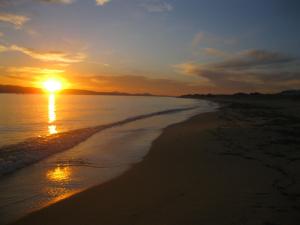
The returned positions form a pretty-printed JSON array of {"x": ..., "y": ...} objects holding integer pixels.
[
  {"x": 1, "y": 34},
  {"x": 65, "y": 2},
  {"x": 3, "y": 48},
  {"x": 34, "y": 70},
  {"x": 32, "y": 32},
  {"x": 187, "y": 68},
  {"x": 214, "y": 52},
  {"x": 53, "y": 56},
  {"x": 29, "y": 76},
  {"x": 254, "y": 58},
  {"x": 13, "y": 3},
  {"x": 102, "y": 2},
  {"x": 252, "y": 70},
  {"x": 204, "y": 38},
  {"x": 4, "y": 3},
  {"x": 136, "y": 84},
  {"x": 233, "y": 81},
  {"x": 157, "y": 6},
  {"x": 198, "y": 38},
  {"x": 17, "y": 20}
]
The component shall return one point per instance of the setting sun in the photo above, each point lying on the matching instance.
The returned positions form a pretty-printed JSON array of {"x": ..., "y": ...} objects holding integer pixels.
[{"x": 52, "y": 85}]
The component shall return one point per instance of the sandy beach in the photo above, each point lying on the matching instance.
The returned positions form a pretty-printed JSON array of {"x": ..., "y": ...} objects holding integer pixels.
[{"x": 237, "y": 166}]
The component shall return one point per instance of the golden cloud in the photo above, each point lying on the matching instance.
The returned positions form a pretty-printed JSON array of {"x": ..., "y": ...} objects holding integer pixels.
[
  {"x": 34, "y": 70},
  {"x": 17, "y": 20},
  {"x": 137, "y": 84},
  {"x": 102, "y": 2},
  {"x": 3, "y": 48},
  {"x": 58, "y": 1},
  {"x": 54, "y": 56}
]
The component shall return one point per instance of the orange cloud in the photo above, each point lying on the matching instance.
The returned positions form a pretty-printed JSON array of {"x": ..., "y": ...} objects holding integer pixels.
[
  {"x": 3, "y": 48},
  {"x": 54, "y": 56},
  {"x": 58, "y": 1},
  {"x": 34, "y": 70},
  {"x": 102, "y": 2},
  {"x": 17, "y": 20},
  {"x": 137, "y": 84}
]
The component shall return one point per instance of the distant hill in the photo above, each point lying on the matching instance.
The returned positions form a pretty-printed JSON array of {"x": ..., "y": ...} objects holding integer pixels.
[
  {"x": 13, "y": 89},
  {"x": 87, "y": 92},
  {"x": 291, "y": 94},
  {"x": 19, "y": 89}
]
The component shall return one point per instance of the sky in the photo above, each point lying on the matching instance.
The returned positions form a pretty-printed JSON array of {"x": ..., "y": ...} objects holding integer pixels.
[{"x": 165, "y": 47}]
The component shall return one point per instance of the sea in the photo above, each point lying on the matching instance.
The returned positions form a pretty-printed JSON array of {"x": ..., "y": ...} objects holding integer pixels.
[{"x": 54, "y": 146}]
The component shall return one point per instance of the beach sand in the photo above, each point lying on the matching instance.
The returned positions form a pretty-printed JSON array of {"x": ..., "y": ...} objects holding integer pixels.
[{"x": 237, "y": 166}]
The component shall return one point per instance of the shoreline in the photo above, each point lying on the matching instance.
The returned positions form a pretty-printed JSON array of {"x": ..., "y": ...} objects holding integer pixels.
[
  {"x": 193, "y": 174},
  {"x": 24, "y": 153}
]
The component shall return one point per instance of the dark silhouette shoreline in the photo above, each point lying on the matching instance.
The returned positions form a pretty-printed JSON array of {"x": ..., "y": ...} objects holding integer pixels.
[
  {"x": 13, "y": 89},
  {"x": 287, "y": 94}
]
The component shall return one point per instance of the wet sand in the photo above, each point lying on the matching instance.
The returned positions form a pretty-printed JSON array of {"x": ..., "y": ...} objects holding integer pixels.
[{"x": 239, "y": 165}]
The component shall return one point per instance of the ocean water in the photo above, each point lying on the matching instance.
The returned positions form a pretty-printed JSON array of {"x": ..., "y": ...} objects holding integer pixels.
[
  {"x": 102, "y": 136},
  {"x": 26, "y": 116}
]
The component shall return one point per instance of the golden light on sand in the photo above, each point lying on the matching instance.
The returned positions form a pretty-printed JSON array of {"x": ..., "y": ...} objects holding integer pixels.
[{"x": 52, "y": 85}]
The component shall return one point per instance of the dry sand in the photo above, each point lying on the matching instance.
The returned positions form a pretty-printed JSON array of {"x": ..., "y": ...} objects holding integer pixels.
[{"x": 238, "y": 166}]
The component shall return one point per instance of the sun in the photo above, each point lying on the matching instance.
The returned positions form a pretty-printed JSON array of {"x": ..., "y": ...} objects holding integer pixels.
[{"x": 52, "y": 85}]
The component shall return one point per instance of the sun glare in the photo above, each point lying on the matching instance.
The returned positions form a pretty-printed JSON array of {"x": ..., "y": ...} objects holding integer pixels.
[{"x": 52, "y": 85}]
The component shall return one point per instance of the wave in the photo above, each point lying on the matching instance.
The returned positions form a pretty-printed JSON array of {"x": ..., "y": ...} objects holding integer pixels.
[{"x": 32, "y": 150}]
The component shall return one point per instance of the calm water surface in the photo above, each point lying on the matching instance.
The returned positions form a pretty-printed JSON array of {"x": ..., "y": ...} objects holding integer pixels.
[{"x": 24, "y": 116}]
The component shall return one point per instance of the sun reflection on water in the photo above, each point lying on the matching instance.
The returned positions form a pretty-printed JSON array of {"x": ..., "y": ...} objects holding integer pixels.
[
  {"x": 59, "y": 180},
  {"x": 59, "y": 174},
  {"x": 52, "y": 129}
]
